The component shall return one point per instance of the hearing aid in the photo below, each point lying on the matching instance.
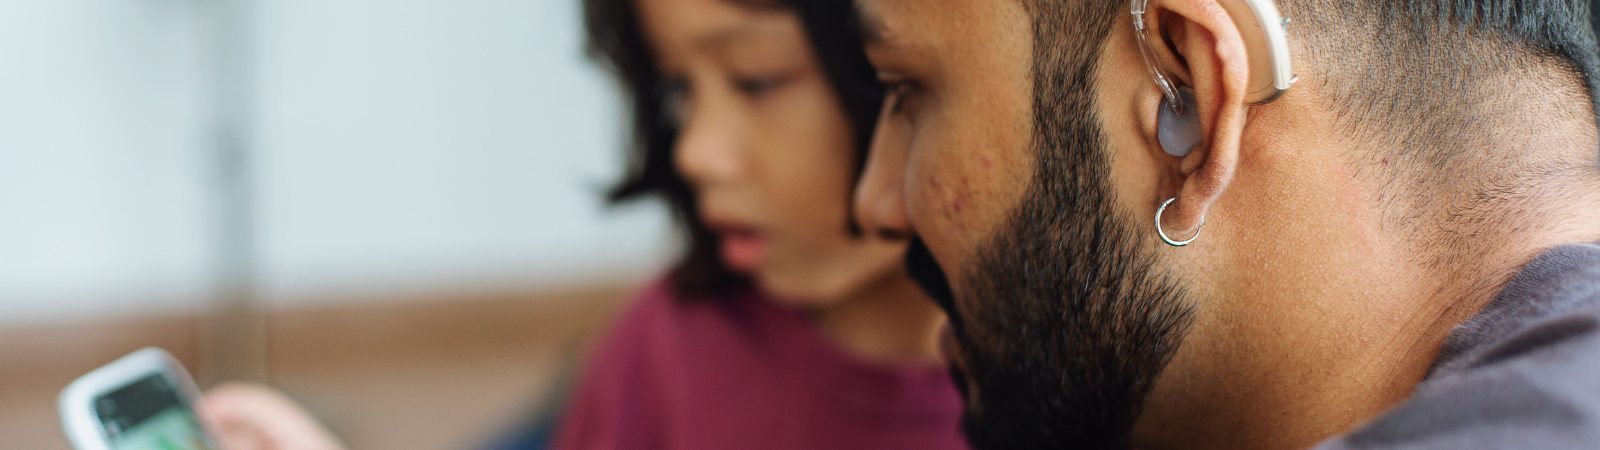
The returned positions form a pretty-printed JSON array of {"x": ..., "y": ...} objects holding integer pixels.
[{"x": 1266, "y": 41}]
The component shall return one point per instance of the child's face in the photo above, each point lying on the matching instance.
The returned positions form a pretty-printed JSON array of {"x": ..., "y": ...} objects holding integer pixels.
[{"x": 767, "y": 147}]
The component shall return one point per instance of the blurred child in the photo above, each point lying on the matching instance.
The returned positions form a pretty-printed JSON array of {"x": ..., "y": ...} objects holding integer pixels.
[{"x": 779, "y": 329}]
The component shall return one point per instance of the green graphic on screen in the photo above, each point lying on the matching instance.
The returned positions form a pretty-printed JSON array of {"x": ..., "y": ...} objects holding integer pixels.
[{"x": 150, "y": 415}]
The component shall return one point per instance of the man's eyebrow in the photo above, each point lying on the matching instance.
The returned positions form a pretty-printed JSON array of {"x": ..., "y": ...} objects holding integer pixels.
[{"x": 868, "y": 24}]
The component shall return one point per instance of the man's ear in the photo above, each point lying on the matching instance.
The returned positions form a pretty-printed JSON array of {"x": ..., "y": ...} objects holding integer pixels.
[{"x": 1198, "y": 43}]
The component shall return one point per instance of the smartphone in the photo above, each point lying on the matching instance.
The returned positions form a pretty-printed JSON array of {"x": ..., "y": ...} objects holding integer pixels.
[{"x": 142, "y": 401}]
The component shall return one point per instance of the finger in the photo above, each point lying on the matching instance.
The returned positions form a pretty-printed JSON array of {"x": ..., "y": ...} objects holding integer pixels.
[{"x": 264, "y": 418}]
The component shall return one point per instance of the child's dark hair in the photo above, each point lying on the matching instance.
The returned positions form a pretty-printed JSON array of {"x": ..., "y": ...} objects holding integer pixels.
[{"x": 617, "y": 40}]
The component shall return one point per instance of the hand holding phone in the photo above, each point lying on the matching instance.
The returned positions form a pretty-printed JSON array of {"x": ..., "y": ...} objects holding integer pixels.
[
  {"x": 147, "y": 401},
  {"x": 143, "y": 401}
]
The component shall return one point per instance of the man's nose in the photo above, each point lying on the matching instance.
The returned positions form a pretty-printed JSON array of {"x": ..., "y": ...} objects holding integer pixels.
[{"x": 880, "y": 205}]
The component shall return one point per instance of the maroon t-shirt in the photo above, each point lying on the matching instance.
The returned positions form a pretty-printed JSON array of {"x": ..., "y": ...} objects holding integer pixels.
[{"x": 744, "y": 372}]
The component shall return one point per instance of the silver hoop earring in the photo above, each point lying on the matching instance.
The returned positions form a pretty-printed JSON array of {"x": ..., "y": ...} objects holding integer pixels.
[{"x": 1163, "y": 233}]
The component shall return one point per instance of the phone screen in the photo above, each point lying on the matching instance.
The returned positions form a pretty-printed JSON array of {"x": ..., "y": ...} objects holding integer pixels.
[{"x": 149, "y": 414}]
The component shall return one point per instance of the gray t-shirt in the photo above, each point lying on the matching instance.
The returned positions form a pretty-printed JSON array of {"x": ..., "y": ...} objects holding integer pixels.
[{"x": 1524, "y": 373}]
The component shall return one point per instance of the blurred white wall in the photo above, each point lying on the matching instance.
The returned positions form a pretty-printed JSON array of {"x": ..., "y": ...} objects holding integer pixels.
[
  {"x": 399, "y": 146},
  {"x": 420, "y": 142},
  {"x": 101, "y": 145}
]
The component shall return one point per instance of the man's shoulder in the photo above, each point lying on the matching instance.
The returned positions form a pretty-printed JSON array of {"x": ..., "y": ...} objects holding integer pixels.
[
  {"x": 1547, "y": 316},
  {"x": 1523, "y": 373},
  {"x": 1540, "y": 386}
]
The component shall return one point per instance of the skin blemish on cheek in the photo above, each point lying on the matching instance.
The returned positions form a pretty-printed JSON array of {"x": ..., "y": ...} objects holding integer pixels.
[{"x": 957, "y": 204}]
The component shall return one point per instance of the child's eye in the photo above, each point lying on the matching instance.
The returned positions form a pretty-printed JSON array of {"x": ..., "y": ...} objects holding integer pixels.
[{"x": 758, "y": 86}]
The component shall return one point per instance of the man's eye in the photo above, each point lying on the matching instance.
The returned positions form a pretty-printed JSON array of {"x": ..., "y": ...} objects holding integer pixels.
[{"x": 895, "y": 95}]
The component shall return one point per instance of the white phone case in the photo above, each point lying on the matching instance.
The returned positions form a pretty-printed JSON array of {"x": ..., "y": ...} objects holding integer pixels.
[{"x": 76, "y": 402}]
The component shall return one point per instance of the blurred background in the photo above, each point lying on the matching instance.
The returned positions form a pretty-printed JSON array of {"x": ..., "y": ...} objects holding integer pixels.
[{"x": 388, "y": 208}]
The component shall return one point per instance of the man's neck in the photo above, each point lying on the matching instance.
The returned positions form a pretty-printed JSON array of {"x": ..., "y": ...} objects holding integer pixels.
[{"x": 1476, "y": 245}]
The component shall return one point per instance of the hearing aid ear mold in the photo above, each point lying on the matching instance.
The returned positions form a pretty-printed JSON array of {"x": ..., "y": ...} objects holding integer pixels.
[{"x": 1178, "y": 131}]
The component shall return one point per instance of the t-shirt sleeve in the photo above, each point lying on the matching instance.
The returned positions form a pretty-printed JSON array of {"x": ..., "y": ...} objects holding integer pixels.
[{"x": 613, "y": 406}]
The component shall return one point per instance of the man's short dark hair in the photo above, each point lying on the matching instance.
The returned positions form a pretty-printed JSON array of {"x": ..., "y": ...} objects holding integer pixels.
[
  {"x": 1448, "y": 98},
  {"x": 1418, "y": 74}
]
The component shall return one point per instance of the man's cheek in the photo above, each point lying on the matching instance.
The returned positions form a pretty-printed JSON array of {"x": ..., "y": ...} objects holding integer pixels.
[{"x": 939, "y": 203}]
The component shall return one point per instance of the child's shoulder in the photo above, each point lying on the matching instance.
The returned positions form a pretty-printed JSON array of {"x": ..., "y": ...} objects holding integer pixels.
[{"x": 660, "y": 307}]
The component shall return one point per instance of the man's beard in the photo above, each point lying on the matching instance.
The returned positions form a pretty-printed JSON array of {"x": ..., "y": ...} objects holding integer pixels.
[
  {"x": 1066, "y": 324},
  {"x": 1065, "y": 318}
]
